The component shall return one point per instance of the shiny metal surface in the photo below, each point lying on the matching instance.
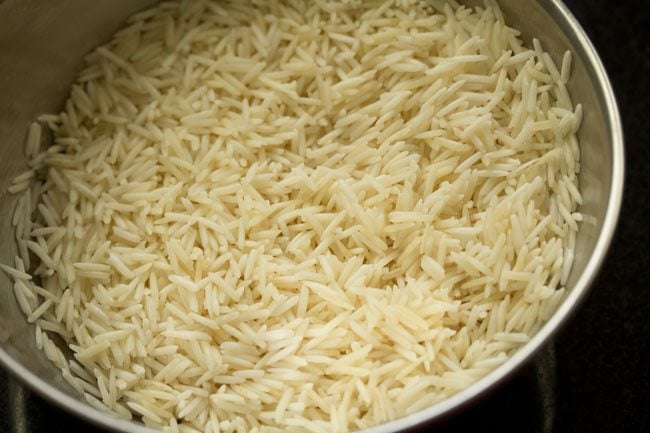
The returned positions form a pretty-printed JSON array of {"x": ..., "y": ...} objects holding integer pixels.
[{"x": 42, "y": 44}]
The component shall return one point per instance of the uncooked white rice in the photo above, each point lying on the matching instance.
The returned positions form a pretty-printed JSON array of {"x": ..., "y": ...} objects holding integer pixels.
[{"x": 298, "y": 216}]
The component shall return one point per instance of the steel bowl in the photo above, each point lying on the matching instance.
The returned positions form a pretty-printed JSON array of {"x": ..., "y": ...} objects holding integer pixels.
[{"x": 42, "y": 44}]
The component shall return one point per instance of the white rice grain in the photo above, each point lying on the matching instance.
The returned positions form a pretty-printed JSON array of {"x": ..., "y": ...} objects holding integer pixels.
[{"x": 278, "y": 216}]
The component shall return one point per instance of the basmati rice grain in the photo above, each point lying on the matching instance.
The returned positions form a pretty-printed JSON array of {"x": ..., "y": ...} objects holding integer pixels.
[{"x": 282, "y": 216}]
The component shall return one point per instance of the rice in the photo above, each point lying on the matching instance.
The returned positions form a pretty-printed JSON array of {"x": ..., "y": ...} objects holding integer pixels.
[{"x": 298, "y": 216}]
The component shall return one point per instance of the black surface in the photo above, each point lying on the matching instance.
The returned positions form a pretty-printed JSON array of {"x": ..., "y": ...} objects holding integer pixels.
[
  {"x": 603, "y": 371},
  {"x": 603, "y": 382}
]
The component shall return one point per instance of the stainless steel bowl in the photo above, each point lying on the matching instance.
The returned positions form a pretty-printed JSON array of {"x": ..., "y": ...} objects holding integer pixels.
[{"x": 42, "y": 44}]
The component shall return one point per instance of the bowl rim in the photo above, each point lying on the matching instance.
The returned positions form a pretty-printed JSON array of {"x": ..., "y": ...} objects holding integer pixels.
[{"x": 594, "y": 66}]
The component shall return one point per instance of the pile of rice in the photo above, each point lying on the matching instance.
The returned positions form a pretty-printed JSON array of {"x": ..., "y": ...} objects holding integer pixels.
[{"x": 291, "y": 216}]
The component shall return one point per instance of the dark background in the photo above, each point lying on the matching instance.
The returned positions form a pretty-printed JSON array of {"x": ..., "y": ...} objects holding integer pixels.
[
  {"x": 603, "y": 355},
  {"x": 603, "y": 362}
]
